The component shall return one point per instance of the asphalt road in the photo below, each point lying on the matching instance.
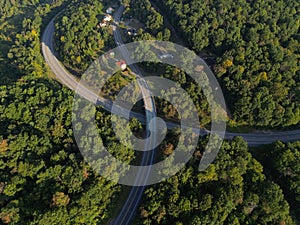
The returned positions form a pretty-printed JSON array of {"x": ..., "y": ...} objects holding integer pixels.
[
  {"x": 127, "y": 212},
  {"x": 129, "y": 208}
]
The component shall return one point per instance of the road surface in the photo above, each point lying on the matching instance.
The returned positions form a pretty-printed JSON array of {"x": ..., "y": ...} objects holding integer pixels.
[{"x": 129, "y": 208}]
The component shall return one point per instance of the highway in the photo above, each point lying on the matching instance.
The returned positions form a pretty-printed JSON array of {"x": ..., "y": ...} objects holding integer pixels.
[{"x": 129, "y": 208}]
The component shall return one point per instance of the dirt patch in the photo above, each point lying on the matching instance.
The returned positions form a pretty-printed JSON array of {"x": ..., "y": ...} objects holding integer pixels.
[{"x": 135, "y": 24}]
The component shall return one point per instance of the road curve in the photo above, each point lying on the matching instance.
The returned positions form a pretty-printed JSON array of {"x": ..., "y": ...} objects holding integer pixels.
[{"x": 253, "y": 139}]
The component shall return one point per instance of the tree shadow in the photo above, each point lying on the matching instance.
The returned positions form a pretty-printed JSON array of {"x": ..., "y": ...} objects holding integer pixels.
[{"x": 12, "y": 127}]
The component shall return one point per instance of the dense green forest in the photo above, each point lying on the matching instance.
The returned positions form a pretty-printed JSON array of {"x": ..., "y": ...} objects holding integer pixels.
[
  {"x": 283, "y": 164},
  {"x": 256, "y": 56},
  {"x": 9, "y": 8},
  {"x": 79, "y": 38},
  {"x": 153, "y": 22},
  {"x": 165, "y": 109},
  {"x": 255, "y": 46},
  {"x": 11, "y": 24},
  {"x": 44, "y": 179},
  {"x": 233, "y": 190}
]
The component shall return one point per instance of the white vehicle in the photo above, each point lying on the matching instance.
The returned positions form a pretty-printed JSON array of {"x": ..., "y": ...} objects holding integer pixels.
[
  {"x": 110, "y": 10},
  {"x": 165, "y": 56}
]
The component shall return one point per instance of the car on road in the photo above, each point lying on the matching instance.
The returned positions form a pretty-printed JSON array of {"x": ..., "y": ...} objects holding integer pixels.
[{"x": 165, "y": 56}]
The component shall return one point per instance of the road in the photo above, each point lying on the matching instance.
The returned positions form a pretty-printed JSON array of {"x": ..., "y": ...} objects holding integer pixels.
[
  {"x": 127, "y": 212},
  {"x": 129, "y": 208}
]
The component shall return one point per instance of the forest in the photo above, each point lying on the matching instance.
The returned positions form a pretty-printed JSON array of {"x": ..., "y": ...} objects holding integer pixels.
[
  {"x": 255, "y": 48},
  {"x": 282, "y": 165},
  {"x": 44, "y": 178},
  {"x": 79, "y": 39},
  {"x": 233, "y": 190},
  {"x": 154, "y": 24}
]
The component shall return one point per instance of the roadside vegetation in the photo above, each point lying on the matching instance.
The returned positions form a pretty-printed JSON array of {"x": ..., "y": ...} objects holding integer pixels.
[
  {"x": 79, "y": 38},
  {"x": 282, "y": 165}
]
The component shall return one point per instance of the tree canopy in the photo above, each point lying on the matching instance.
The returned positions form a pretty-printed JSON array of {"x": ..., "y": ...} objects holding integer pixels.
[
  {"x": 233, "y": 190},
  {"x": 79, "y": 38},
  {"x": 254, "y": 49}
]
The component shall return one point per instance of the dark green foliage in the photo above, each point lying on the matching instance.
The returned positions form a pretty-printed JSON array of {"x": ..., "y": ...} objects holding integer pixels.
[
  {"x": 79, "y": 39},
  {"x": 192, "y": 89},
  {"x": 143, "y": 11},
  {"x": 21, "y": 36},
  {"x": 26, "y": 50},
  {"x": 256, "y": 47},
  {"x": 8, "y": 8},
  {"x": 287, "y": 162},
  {"x": 153, "y": 21},
  {"x": 43, "y": 177},
  {"x": 283, "y": 161},
  {"x": 233, "y": 190},
  {"x": 20, "y": 29}
]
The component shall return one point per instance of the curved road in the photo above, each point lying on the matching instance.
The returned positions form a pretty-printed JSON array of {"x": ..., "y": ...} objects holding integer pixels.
[
  {"x": 253, "y": 139},
  {"x": 127, "y": 212}
]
